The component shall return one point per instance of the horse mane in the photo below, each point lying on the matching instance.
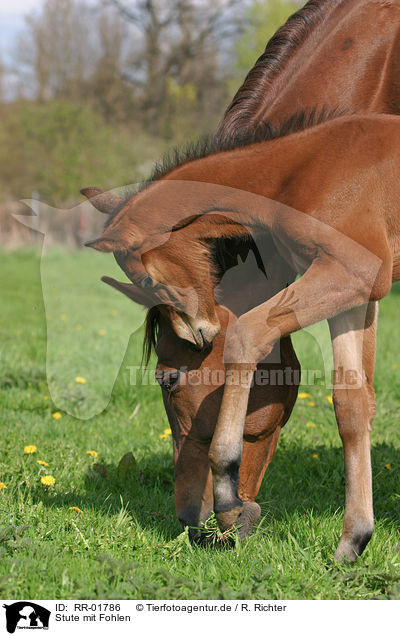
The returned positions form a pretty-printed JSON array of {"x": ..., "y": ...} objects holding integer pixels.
[
  {"x": 214, "y": 144},
  {"x": 278, "y": 52}
]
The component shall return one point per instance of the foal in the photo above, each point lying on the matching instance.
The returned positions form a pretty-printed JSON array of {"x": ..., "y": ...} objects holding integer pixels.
[{"x": 345, "y": 245}]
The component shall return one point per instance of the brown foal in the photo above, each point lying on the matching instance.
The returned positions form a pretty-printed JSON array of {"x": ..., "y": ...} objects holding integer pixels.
[
  {"x": 345, "y": 245},
  {"x": 325, "y": 43}
]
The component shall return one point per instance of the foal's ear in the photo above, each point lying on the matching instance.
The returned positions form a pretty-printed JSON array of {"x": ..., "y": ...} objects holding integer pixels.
[
  {"x": 133, "y": 292},
  {"x": 103, "y": 245},
  {"x": 103, "y": 201}
]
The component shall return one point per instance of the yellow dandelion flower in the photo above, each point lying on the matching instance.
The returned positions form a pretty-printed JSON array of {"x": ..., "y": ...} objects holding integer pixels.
[
  {"x": 167, "y": 431},
  {"x": 80, "y": 380},
  {"x": 388, "y": 467},
  {"x": 310, "y": 425},
  {"x": 315, "y": 456},
  {"x": 311, "y": 404},
  {"x": 29, "y": 450},
  {"x": 45, "y": 397},
  {"x": 63, "y": 317},
  {"x": 48, "y": 480},
  {"x": 78, "y": 327},
  {"x": 76, "y": 509},
  {"x": 42, "y": 463},
  {"x": 57, "y": 415},
  {"x": 304, "y": 396},
  {"x": 92, "y": 453},
  {"x": 164, "y": 436},
  {"x": 114, "y": 312},
  {"x": 2, "y": 485},
  {"x": 329, "y": 399},
  {"x": 62, "y": 352},
  {"x": 101, "y": 332},
  {"x": 395, "y": 367}
]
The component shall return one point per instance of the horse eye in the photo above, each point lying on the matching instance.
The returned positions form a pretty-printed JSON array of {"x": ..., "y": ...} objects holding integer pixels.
[{"x": 147, "y": 282}]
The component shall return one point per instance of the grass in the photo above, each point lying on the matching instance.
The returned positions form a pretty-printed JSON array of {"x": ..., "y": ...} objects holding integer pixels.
[{"x": 128, "y": 543}]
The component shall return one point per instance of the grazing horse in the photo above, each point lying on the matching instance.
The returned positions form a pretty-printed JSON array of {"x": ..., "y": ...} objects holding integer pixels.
[
  {"x": 328, "y": 197},
  {"x": 324, "y": 44}
]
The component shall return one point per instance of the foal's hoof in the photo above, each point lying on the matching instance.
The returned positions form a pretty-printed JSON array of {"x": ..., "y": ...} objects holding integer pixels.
[
  {"x": 248, "y": 518},
  {"x": 350, "y": 547}
]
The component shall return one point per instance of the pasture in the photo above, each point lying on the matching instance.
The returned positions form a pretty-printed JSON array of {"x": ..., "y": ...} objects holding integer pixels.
[{"x": 124, "y": 540}]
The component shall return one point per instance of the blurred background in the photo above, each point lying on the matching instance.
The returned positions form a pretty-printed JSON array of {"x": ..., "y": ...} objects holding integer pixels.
[{"x": 92, "y": 92}]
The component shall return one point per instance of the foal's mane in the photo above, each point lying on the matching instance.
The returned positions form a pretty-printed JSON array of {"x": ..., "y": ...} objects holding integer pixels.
[{"x": 246, "y": 104}]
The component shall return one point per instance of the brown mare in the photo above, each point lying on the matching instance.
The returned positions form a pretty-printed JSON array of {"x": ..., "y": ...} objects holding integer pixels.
[{"x": 323, "y": 40}]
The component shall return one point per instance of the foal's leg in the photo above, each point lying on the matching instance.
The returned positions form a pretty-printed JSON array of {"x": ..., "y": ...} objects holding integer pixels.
[
  {"x": 353, "y": 396},
  {"x": 257, "y": 456},
  {"x": 328, "y": 288}
]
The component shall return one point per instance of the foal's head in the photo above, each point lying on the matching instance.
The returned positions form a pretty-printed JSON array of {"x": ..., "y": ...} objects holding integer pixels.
[{"x": 167, "y": 240}]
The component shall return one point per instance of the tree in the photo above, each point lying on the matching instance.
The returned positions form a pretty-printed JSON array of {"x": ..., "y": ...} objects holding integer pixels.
[
  {"x": 263, "y": 19},
  {"x": 177, "y": 53}
]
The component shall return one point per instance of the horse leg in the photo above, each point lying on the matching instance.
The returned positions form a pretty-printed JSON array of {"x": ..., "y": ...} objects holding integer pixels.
[
  {"x": 273, "y": 405},
  {"x": 354, "y": 339},
  {"x": 329, "y": 287},
  {"x": 256, "y": 458}
]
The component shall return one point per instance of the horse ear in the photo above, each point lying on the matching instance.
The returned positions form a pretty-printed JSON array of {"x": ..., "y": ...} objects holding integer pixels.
[
  {"x": 103, "y": 245},
  {"x": 133, "y": 292},
  {"x": 103, "y": 201},
  {"x": 118, "y": 239}
]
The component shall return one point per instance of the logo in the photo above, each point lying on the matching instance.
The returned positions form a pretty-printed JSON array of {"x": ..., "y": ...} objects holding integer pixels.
[{"x": 26, "y": 615}]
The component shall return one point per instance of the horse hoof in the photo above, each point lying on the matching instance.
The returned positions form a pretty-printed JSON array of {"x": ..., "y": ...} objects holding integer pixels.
[
  {"x": 352, "y": 545},
  {"x": 248, "y": 518}
]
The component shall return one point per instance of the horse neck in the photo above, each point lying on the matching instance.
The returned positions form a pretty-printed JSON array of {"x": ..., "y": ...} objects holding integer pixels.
[
  {"x": 325, "y": 39},
  {"x": 246, "y": 182}
]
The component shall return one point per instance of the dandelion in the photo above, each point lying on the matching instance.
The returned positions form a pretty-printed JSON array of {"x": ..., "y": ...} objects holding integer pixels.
[
  {"x": 80, "y": 380},
  {"x": 311, "y": 404},
  {"x": 45, "y": 397},
  {"x": 310, "y": 425},
  {"x": 167, "y": 432},
  {"x": 78, "y": 327},
  {"x": 42, "y": 463},
  {"x": 395, "y": 367},
  {"x": 304, "y": 396},
  {"x": 63, "y": 317},
  {"x": 2, "y": 485},
  {"x": 329, "y": 399},
  {"x": 76, "y": 509},
  {"x": 315, "y": 456},
  {"x": 101, "y": 332},
  {"x": 388, "y": 467},
  {"x": 48, "y": 480},
  {"x": 62, "y": 352},
  {"x": 57, "y": 415},
  {"x": 29, "y": 450},
  {"x": 114, "y": 312},
  {"x": 92, "y": 453}
]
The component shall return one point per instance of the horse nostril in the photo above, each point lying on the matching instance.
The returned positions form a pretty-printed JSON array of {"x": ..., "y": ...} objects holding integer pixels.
[{"x": 168, "y": 380}]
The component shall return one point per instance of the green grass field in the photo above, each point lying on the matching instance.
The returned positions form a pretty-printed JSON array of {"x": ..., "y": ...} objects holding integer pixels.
[{"x": 126, "y": 542}]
